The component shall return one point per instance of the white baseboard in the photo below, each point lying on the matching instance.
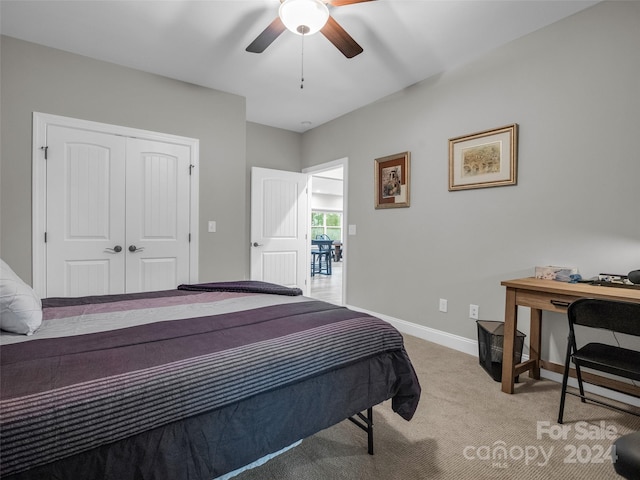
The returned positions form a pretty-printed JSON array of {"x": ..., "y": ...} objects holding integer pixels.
[
  {"x": 450, "y": 340},
  {"x": 596, "y": 390},
  {"x": 470, "y": 347}
]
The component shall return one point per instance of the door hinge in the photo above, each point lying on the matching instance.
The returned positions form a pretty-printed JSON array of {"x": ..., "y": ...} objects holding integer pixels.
[
  {"x": 45, "y": 237},
  {"x": 46, "y": 150},
  {"x": 191, "y": 167},
  {"x": 189, "y": 237}
]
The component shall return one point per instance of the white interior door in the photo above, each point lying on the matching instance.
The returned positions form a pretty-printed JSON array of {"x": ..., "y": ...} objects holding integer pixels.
[
  {"x": 279, "y": 225},
  {"x": 157, "y": 220},
  {"x": 85, "y": 231}
]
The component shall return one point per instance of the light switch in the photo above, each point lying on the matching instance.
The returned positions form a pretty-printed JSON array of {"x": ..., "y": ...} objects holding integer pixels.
[
  {"x": 352, "y": 229},
  {"x": 212, "y": 226},
  {"x": 443, "y": 305}
]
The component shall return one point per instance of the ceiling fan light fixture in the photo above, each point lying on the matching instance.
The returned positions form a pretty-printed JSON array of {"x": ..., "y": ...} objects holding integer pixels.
[{"x": 304, "y": 17}]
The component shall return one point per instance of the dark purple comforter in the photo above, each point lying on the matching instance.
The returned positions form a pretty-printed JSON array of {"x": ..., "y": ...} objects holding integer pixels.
[{"x": 66, "y": 396}]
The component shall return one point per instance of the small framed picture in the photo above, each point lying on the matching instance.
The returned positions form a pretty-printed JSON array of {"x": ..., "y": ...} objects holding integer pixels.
[
  {"x": 484, "y": 159},
  {"x": 392, "y": 181}
]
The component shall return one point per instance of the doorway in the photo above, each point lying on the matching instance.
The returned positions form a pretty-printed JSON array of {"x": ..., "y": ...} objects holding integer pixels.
[{"x": 328, "y": 216}]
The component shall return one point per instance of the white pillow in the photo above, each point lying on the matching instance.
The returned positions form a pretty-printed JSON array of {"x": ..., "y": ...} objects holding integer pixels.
[{"x": 20, "y": 307}]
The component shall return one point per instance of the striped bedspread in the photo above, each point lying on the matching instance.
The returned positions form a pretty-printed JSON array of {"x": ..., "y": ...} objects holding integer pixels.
[{"x": 103, "y": 369}]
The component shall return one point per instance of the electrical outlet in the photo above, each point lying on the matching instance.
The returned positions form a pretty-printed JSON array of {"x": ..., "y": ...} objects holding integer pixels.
[
  {"x": 443, "y": 305},
  {"x": 212, "y": 226},
  {"x": 473, "y": 311}
]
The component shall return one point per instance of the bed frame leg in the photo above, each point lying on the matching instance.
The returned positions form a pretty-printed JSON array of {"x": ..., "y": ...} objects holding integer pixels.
[
  {"x": 370, "y": 430},
  {"x": 366, "y": 424}
]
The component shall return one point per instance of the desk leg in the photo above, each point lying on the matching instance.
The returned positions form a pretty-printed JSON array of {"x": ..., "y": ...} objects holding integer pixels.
[
  {"x": 510, "y": 323},
  {"x": 535, "y": 342}
]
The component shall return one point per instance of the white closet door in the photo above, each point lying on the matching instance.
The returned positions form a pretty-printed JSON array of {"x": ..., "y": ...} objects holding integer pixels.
[
  {"x": 84, "y": 213},
  {"x": 157, "y": 217}
]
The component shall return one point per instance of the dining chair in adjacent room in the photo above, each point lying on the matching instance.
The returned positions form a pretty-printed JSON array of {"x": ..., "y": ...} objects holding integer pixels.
[{"x": 321, "y": 258}]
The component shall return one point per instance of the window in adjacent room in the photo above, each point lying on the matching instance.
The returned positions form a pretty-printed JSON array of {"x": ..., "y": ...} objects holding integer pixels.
[{"x": 329, "y": 223}]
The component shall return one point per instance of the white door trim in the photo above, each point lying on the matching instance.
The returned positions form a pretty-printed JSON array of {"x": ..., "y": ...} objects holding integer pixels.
[
  {"x": 39, "y": 185},
  {"x": 344, "y": 162}
]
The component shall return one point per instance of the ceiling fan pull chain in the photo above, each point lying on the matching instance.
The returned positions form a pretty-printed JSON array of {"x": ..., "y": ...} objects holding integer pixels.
[{"x": 302, "y": 64}]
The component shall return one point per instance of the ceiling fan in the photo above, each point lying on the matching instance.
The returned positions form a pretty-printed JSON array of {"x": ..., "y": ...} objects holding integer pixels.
[{"x": 306, "y": 17}]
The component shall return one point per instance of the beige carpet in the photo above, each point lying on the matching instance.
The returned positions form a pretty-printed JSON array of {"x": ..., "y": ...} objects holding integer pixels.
[{"x": 465, "y": 428}]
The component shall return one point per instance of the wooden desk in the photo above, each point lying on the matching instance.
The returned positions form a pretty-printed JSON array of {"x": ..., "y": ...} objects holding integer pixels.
[{"x": 551, "y": 296}]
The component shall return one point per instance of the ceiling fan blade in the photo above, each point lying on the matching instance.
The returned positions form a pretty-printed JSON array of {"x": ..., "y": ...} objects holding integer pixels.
[
  {"x": 341, "y": 39},
  {"x": 267, "y": 37},
  {"x": 340, "y": 3}
]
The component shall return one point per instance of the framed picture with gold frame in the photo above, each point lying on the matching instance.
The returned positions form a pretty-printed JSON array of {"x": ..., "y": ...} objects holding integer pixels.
[
  {"x": 484, "y": 159},
  {"x": 392, "y": 175}
]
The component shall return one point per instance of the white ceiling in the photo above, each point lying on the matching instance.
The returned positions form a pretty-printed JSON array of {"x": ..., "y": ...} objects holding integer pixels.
[{"x": 203, "y": 42}]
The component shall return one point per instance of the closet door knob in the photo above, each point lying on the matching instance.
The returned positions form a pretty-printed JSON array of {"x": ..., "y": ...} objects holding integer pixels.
[
  {"x": 116, "y": 249},
  {"x": 133, "y": 248}
]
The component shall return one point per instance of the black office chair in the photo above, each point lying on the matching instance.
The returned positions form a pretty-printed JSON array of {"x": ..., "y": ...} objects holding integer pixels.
[
  {"x": 627, "y": 451},
  {"x": 614, "y": 316}
]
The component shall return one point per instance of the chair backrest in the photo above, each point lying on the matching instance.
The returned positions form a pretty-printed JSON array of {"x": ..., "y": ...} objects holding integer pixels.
[
  {"x": 325, "y": 244},
  {"x": 623, "y": 317}
]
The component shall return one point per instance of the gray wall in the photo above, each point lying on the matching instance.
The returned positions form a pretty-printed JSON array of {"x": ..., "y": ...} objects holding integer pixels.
[
  {"x": 573, "y": 88},
  {"x": 270, "y": 147},
  {"x": 36, "y": 78}
]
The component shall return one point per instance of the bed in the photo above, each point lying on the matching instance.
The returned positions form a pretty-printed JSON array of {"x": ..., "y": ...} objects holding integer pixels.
[{"x": 190, "y": 383}]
